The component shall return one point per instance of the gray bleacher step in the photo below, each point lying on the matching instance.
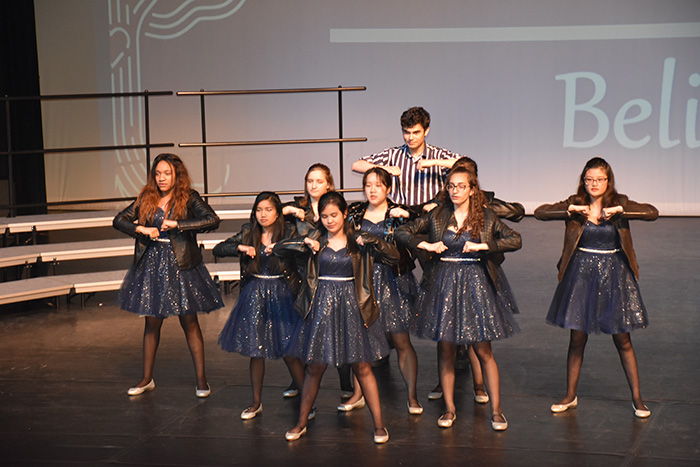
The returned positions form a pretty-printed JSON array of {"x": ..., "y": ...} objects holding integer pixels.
[
  {"x": 91, "y": 219},
  {"x": 30, "y": 254},
  {"x": 33, "y": 289},
  {"x": 53, "y": 286}
]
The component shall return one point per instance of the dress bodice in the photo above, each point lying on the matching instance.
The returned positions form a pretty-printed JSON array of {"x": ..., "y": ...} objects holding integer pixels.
[
  {"x": 455, "y": 243},
  {"x": 263, "y": 261},
  {"x": 335, "y": 263},
  {"x": 375, "y": 229},
  {"x": 601, "y": 236},
  {"x": 158, "y": 219}
]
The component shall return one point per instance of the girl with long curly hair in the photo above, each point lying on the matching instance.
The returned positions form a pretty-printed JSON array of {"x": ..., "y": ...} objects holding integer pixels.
[
  {"x": 167, "y": 276},
  {"x": 466, "y": 299}
]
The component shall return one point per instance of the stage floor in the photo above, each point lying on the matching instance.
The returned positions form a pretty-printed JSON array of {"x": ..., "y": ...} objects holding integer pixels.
[{"x": 64, "y": 375}]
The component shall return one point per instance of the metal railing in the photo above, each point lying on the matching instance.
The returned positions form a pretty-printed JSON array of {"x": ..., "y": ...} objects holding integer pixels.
[
  {"x": 11, "y": 153},
  {"x": 204, "y": 144}
]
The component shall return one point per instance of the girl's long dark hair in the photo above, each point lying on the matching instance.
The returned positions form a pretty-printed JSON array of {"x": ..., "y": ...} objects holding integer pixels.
[
  {"x": 475, "y": 217},
  {"x": 149, "y": 197},
  {"x": 336, "y": 199},
  {"x": 254, "y": 237},
  {"x": 610, "y": 197}
]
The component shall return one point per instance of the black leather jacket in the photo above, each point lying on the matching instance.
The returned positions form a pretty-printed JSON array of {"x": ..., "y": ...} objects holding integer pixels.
[
  {"x": 285, "y": 266},
  {"x": 511, "y": 211},
  {"x": 199, "y": 217},
  {"x": 356, "y": 212},
  {"x": 498, "y": 236},
  {"x": 575, "y": 224},
  {"x": 306, "y": 225},
  {"x": 374, "y": 249}
]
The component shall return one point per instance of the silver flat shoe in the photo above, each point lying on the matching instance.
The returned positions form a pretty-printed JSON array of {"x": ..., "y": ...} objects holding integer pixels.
[
  {"x": 414, "y": 410},
  {"x": 247, "y": 414},
  {"x": 136, "y": 390},
  {"x": 350, "y": 407},
  {"x": 444, "y": 422},
  {"x": 641, "y": 413},
  {"x": 289, "y": 436},
  {"x": 479, "y": 399},
  {"x": 499, "y": 426},
  {"x": 202, "y": 393},
  {"x": 381, "y": 439},
  {"x": 556, "y": 408}
]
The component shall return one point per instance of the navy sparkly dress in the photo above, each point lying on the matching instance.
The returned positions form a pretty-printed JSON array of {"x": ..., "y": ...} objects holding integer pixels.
[
  {"x": 396, "y": 300},
  {"x": 463, "y": 306},
  {"x": 156, "y": 286},
  {"x": 598, "y": 292},
  {"x": 334, "y": 332},
  {"x": 263, "y": 320}
]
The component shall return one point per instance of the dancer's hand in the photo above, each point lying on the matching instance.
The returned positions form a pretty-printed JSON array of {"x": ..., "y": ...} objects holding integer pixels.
[
  {"x": 607, "y": 213},
  {"x": 247, "y": 250},
  {"x": 151, "y": 232},
  {"x": 438, "y": 247},
  {"x": 582, "y": 209},
  {"x": 471, "y": 246},
  {"x": 313, "y": 244},
  {"x": 168, "y": 224},
  {"x": 399, "y": 213}
]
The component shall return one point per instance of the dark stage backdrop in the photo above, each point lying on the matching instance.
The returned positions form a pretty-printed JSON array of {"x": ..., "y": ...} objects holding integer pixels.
[{"x": 530, "y": 89}]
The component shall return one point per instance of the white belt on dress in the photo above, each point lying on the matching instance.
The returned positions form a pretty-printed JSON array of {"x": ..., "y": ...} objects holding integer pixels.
[
  {"x": 452, "y": 259},
  {"x": 602, "y": 252},
  {"x": 336, "y": 278},
  {"x": 263, "y": 276},
  {"x": 162, "y": 240}
]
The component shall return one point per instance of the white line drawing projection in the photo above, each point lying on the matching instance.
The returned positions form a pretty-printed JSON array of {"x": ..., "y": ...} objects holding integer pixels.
[
  {"x": 129, "y": 22},
  {"x": 516, "y": 34}
]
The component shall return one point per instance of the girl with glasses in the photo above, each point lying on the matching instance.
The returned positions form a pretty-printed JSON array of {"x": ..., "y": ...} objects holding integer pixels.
[
  {"x": 465, "y": 302},
  {"x": 598, "y": 290}
]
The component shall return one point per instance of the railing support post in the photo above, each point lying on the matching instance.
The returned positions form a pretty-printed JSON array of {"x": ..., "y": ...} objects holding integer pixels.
[{"x": 205, "y": 172}]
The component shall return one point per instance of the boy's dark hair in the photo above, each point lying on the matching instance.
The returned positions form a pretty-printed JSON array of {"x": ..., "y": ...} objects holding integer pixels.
[{"x": 415, "y": 116}]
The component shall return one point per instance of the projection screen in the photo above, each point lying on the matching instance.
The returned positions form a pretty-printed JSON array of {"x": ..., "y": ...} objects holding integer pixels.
[{"x": 530, "y": 89}]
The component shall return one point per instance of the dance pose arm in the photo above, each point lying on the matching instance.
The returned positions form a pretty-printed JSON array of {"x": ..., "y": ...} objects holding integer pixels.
[
  {"x": 200, "y": 216},
  {"x": 501, "y": 238},
  {"x": 127, "y": 222},
  {"x": 124, "y": 221},
  {"x": 229, "y": 247},
  {"x": 380, "y": 250},
  {"x": 297, "y": 246},
  {"x": 511, "y": 211},
  {"x": 412, "y": 233},
  {"x": 637, "y": 211},
  {"x": 556, "y": 211}
]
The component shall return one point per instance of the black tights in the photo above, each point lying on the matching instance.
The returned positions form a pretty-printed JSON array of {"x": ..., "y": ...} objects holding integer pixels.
[
  {"x": 195, "y": 342},
  {"x": 312, "y": 382},
  {"x": 446, "y": 369},
  {"x": 623, "y": 344},
  {"x": 257, "y": 373}
]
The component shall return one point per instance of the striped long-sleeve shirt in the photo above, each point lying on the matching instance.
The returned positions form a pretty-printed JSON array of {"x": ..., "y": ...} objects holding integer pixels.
[{"x": 413, "y": 186}]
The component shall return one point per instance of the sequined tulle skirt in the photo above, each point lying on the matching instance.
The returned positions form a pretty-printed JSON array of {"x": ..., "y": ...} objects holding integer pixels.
[
  {"x": 598, "y": 293},
  {"x": 463, "y": 306},
  {"x": 334, "y": 332},
  {"x": 263, "y": 320},
  {"x": 156, "y": 286},
  {"x": 396, "y": 300}
]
